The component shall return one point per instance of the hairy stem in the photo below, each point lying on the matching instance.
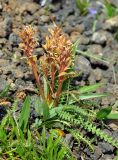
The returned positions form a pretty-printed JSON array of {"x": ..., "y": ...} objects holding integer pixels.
[
  {"x": 36, "y": 76},
  {"x": 58, "y": 92}
]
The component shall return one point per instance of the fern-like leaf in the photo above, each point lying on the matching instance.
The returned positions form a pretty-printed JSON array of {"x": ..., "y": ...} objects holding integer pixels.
[
  {"x": 80, "y": 137},
  {"x": 87, "y": 125}
]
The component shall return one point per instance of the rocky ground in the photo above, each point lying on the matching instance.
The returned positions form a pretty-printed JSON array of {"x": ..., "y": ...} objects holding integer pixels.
[{"x": 96, "y": 35}]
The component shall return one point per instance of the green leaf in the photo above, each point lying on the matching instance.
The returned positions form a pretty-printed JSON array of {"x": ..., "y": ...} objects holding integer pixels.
[
  {"x": 38, "y": 106},
  {"x": 92, "y": 95},
  {"x": 42, "y": 108},
  {"x": 5, "y": 91},
  {"x": 112, "y": 116},
  {"x": 4, "y": 121},
  {"x": 103, "y": 113},
  {"x": 25, "y": 113},
  {"x": 89, "y": 88},
  {"x": 3, "y": 135},
  {"x": 45, "y": 108},
  {"x": 29, "y": 137},
  {"x": 74, "y": 47}
]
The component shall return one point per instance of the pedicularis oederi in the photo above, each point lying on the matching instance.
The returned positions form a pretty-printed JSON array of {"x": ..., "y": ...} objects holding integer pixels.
[{"x": 55, "y": 64}]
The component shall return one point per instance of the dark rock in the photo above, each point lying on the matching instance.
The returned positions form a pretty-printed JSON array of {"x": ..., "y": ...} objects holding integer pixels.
[
  {"x": 97, "y": 58},
  {"x": 82, "y": 65},
  {"x": 2, "y": 112},
  {"x": 107, "y": 157},
  {"x": 68, "y": 138},
  {"x": 105, "y": 147},
  {"x": 96, "y": 155},
  {"x": 14, "y": 39}
]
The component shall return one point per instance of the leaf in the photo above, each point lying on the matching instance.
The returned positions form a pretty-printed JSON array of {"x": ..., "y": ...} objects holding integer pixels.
[
  {"x": 3, "y": 135},
  {"x": 25, "y": 113},
  {"x": 98, "y": 58},
  {"x": 29, "y": 137},
  {"x": 5, "y": 91},
  {"x": 92, "y": 95},
  {"x": 112, "y": 116},
  {"x": 74, "y": 48},
  {"x": 89, "y": 88},
  {"x": 38, "y": 107},
  {"x": 103, "y": 113},
  {"x": 45, "y": 108}
]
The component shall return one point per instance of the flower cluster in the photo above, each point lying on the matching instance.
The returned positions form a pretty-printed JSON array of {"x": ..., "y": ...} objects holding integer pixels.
[
  {"x": 28, "y": 41},
  {"x": 54, "y": 64},
  {"x": 28, "y": 44},
  {"x": 58, "y": 58}
]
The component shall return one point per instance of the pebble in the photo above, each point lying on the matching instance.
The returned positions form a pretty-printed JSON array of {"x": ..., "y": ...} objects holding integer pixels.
[
  {"x": 6, "y": 27},
  {"x": 44, "y": 18},
  {"x": 26, "y": 7},
  {"x": 105, "y": 147},
  {"x": 1, "y": 53},
  {"x": 96, "y": 155},
  {"x": 107, "y": 157},
  {"x": 3, "y": 83},
  {"x": 111, "y": 23},
  {"x": 99, "y": 37},
  {"x": 98, "y": 74},
  {"x": 14, "y": 39},
  {"x": 82, "y": 66},
  {"x": 114, "y": 3}
]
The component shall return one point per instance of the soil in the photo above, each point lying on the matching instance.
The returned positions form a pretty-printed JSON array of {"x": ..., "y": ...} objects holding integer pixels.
[{"x": 96, "y": 35}]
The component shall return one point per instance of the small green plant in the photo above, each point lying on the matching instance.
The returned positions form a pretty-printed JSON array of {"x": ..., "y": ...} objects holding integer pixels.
[
  {"x": 61, "y": 107},
  {"x": 18, "y": 140},
  {"x": 109, "y": 9},
  {"x": 60, "y": 104},
  {"x": 83, "y": 6}
]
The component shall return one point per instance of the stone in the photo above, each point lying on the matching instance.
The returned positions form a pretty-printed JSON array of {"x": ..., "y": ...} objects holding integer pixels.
[
  {"x": 96, "y": 155},
  {"x": 1, "y": 53},
  {"x": 98, "y": 74},
  {"x": 114, "y": 2},
  {"x": 113, "y": 124},
  {"x": 107, "y": 157},
  {"x": 1, "y": 7},
  {"x": 3, "y": 83},
  {"x": 106, "y": 147},
  {"x": 99, "y": 37},
  {"x": 44, "y": 18},
  {"x": 18, "y": 73},
  {"x": 96, "y": 60},
  {"x": 28, "y": 7},
  {"x": 112, "y": 23},
  {"x": 3, "y": 41},
  {"x": 4, "y": 62},
  {"x": 82, "y": 66},
  {"x": 6, "y": 27},
  {"x": 14, "y": 39}
]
